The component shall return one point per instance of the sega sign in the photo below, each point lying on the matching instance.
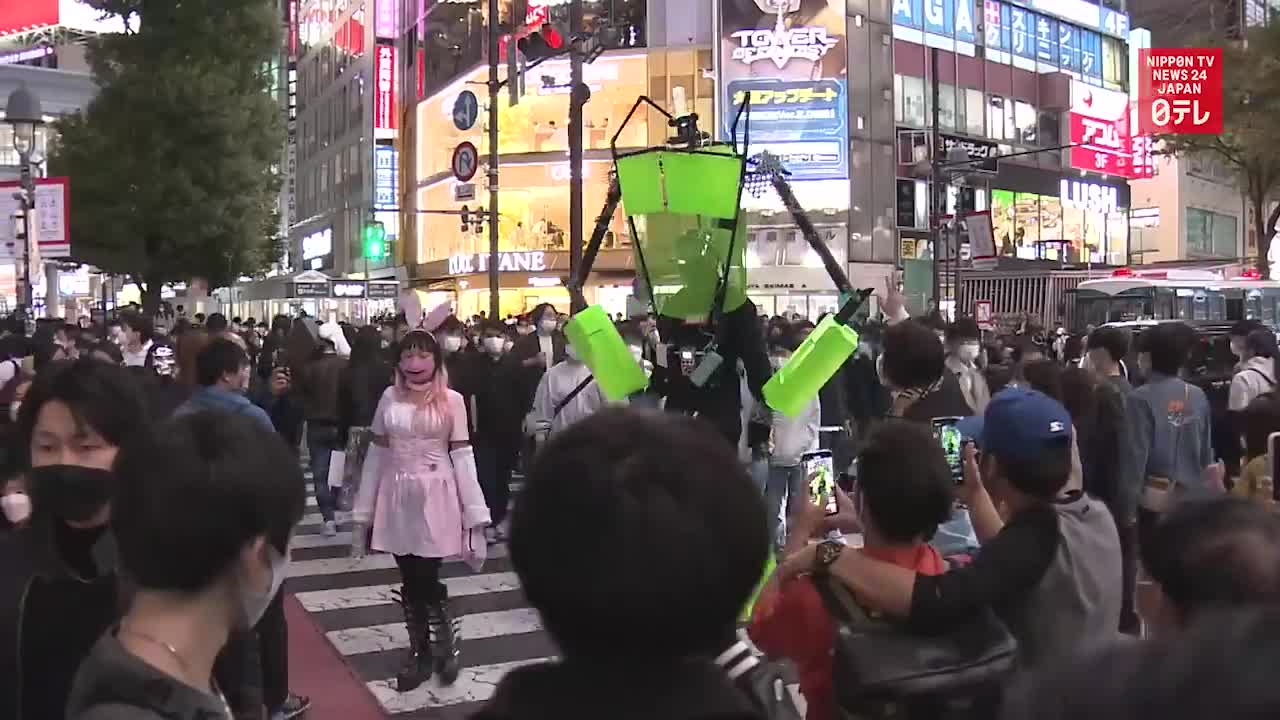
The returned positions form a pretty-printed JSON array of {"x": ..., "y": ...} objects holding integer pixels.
[
  {"x": 946, "y": 19},
  {"x": 384, "y": 91}
]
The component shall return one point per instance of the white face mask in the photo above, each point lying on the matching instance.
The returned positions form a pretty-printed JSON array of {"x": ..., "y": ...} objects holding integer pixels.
[
  {"x": 451, "y": 344},
  {"x": 571, "y": 353},
  {"x": 494, "y": 345},
  {"x": 507, "y": 345},
  {"x": 16, "y": 506},
  {"x": 546, "y": 327},
  {"x": 777, "y": 361},
  {"x": 968, "y": 352},
  {"x": 15, "y": 408},
  {"x": 253, "y": 604}
]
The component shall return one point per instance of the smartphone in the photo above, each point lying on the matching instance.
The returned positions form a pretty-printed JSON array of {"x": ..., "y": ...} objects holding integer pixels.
[
  {"x": 948, "y": 435},
  {"x": 820, "y": 478}
]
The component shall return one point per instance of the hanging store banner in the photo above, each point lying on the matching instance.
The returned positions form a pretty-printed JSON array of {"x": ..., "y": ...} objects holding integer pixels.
[
  {"x": 384, "y": 92},
  {"x": 385, "y": 177},
  {"x": 384, "y": 18},
  {"x": 794, "y": 62},
  {"x": 1101, "y": 134}
]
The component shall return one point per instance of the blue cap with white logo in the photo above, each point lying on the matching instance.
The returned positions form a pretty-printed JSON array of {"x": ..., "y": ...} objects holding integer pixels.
[{"x": 1019, "y": 424}]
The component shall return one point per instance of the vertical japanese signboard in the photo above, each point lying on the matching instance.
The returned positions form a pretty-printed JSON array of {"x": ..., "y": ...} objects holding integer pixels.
[
  {"x": 384, "y": 92},
  {"x": 793, "y": 63},
  {"x": 1101, "y": 134},
  {"x": 1180, "y": 90}
]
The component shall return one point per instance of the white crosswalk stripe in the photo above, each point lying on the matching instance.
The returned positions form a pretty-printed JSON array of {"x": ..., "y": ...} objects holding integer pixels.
[{"x": 350, "y": 600}]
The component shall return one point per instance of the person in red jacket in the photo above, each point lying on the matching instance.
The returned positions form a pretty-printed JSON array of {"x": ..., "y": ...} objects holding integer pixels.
[{"x": 902, "y": 493}]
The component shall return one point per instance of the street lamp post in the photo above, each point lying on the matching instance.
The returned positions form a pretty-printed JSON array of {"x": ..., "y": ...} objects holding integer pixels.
[{"x": 22, "y": 113}]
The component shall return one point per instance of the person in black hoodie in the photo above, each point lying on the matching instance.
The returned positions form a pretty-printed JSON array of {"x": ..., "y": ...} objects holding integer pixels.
[
  {"x": 673, "y": 531},
  {"x": 58, "y": 583},
  {"x": 495, "y": 422},
  {"x": 203, "y": 529}
]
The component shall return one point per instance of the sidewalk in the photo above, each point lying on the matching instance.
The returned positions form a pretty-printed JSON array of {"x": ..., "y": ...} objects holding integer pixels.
[{"x": 319, "y": 672}]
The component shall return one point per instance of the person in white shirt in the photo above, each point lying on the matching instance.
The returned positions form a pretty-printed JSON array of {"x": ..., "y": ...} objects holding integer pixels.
[
  {"x": 566, "y": 394},
  {"x": 792, "y": 438},
  {"x": 138, "y": 331},
  {"x": 1256, "y": 373}
]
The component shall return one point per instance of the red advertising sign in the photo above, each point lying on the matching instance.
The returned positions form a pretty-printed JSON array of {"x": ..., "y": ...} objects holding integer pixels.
[
  {"x": 1180, "y": 90},
  {"x": 1100, "y": 132},
  {"x": 19, "y": 16},
  {"x": 384, "y": 88}
]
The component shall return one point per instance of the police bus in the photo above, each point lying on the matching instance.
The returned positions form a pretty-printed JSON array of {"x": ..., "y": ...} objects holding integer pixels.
[{"x": 1198, "y": 297}]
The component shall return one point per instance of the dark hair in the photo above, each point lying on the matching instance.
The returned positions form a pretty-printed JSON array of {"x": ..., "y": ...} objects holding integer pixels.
[
  {"x": 1260, "y": 418},
  {"x": 670, "y": 513},
  {"x": 1042, "y": 477},
  {"x": 110, "y": 349},
  {"x": 216, "y": 323},
  {"x": 1023, "y": 346},
  {"x": 1113, "y": 340},
  {"x": 1169, "y": 345},
  {"x": 140, "y": 324},
  {"x": 1221, "y": 667},
  {"x": 451, "y": 325},
  {"x": 42, "y": 354},
  {"x": 904, "y": 478},
  {"x": 197, "y": 493},
  {"x": 913, "y": 357},
  {"x": 540, "y": 310},
  {"x": 1262, "y": 343},
  {"x": 1045, "y": 376},
  {"x": 190, "y": 345},
  {"x": 1215, "y": 555},
  {"x": 1079, "y": 394},
  {"x": 101, "y": 396},
  {"x": 367, "y": 348},
  {"x": 217, "y": 359},
  {"x": 1244, "y": 328},
  {"x": 964, "y": 328}
]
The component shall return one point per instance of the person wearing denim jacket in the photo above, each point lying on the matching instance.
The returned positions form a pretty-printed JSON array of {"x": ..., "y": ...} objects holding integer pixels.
[{"x": 1170, "y": 423}]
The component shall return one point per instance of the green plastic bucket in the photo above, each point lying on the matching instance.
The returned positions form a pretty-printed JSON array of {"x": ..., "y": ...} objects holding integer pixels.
[
  {"x": 684, "y": 261},
  {"x": 797, "y": 383},
  {"x": 693, "y": 182},
  {"x": 597, "y": 342}
]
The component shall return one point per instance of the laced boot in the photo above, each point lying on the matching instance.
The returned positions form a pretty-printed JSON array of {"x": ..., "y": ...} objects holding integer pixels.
[
  {"x": 444, "y": 636},
  {"x": 417, "y": 664}
]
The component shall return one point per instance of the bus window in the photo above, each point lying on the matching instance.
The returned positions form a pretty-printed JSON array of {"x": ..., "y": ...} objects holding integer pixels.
[{"x": 1164, "y": 304}]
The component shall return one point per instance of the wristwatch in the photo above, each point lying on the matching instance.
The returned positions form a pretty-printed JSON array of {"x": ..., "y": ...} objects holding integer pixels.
[{"x": 827, "y": 553}]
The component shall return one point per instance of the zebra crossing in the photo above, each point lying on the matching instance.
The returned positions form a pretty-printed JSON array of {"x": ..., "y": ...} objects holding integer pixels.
[{"x": 351, "y": 602}]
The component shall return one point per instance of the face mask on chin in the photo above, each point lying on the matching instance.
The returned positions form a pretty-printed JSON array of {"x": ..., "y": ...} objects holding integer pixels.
[{"x": 254, "y": 603}]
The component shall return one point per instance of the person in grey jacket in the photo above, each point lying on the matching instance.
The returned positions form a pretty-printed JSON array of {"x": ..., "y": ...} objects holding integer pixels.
[{"x": 203, "y": 529}]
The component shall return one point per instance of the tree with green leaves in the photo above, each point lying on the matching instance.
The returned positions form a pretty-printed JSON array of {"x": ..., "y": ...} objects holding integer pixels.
[
  {"x": 174, "y": 165},
  {"x": 1249, "y": 144}
]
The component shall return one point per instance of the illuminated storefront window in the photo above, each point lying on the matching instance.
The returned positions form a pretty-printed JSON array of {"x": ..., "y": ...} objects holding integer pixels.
[{"x": 1031, "y": 226}]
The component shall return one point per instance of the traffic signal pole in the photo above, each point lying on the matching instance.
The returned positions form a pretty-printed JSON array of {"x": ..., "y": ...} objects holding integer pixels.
[
  {"x": 492, "y": 172},
  {"x": 578, "y": 96}
]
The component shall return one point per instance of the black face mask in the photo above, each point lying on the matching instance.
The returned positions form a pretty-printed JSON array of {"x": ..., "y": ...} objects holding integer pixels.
[{"x": 70, "y": 492}]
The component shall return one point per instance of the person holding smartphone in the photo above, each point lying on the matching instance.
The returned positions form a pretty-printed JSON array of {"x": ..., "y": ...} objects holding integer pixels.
[{"x": 903, "y": 492}]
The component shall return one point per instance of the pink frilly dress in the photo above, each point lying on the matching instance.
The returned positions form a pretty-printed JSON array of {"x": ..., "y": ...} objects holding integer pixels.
[{"x": 423, "y": 507}]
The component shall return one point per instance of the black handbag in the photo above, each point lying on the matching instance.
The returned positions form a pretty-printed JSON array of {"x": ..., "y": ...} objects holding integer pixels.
[{"x": 880, "y": 663}]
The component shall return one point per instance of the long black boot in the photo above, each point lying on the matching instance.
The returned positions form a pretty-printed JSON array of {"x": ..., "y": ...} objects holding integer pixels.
[
  {"x": 417, "y": 664},
  {"x": 445, "y": 638}
]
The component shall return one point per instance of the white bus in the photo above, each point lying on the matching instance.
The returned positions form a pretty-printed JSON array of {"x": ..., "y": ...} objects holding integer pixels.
[{"x": 1195, "y": 296}]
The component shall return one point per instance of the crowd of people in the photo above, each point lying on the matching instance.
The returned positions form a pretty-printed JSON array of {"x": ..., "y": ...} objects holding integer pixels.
[{"x": 153, "y": 479}]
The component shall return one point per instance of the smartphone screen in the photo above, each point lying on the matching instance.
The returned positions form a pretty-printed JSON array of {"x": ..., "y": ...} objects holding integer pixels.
[
  {"x": 948, "y": 435},
  {"x": 820, "y": 476}
]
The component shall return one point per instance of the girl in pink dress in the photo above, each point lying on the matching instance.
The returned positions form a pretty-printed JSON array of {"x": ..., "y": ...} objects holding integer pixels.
[{"x": 419, "y": 488}]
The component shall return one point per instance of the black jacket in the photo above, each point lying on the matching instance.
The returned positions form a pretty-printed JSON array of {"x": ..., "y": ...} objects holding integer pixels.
[
  {"x": 359, "y": 390},
  {"x": 488, "y": 386},
  {"x": 690, "y": 690},
  {"x": 49, "y": 618},
  {"x": 112, "y": 684}
]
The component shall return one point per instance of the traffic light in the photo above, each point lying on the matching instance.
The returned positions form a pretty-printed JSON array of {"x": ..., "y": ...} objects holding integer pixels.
[
  {"x": 375, "y": 236},
  {"x": 466, "y": 218}
]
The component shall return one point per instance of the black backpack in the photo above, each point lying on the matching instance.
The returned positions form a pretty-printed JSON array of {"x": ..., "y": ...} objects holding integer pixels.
[
  {"x": 763, "y": 681},
  {"x": 883, "y": 670}
]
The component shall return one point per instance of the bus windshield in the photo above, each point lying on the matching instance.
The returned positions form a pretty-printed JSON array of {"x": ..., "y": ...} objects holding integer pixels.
[{"x": 1096, "y": 308}]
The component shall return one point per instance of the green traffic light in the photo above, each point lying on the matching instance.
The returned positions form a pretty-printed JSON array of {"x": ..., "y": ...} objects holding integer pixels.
[{"x": 374, "y": 241}]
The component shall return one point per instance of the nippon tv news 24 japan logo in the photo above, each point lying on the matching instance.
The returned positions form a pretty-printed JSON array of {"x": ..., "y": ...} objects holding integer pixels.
[{"x": 1180, "y": 91}]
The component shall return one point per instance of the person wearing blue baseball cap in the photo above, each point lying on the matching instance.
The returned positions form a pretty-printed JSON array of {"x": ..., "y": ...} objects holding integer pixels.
[{"x": 1050, "y": 567}]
